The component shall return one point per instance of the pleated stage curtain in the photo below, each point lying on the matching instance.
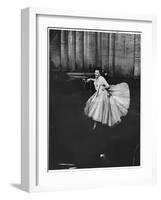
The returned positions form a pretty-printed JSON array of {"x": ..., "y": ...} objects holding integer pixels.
[{"x": 118, "y": 54}]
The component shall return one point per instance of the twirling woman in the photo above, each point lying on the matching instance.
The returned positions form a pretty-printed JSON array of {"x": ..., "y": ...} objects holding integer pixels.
[{"x": 109, "y": 103}]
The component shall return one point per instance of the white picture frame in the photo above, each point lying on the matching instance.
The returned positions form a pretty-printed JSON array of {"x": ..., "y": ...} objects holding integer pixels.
[{"x": 34, "y": 176}]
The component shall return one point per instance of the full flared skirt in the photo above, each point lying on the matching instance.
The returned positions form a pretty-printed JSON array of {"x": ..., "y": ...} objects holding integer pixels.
[{"x": 108, "y": 107}]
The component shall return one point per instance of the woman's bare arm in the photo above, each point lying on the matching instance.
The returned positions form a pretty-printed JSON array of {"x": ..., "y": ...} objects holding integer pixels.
[{"x": 90, "y": 79}]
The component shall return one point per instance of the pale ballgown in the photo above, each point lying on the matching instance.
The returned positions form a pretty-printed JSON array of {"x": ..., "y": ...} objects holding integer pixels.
[{"x": 107, "y": 106}]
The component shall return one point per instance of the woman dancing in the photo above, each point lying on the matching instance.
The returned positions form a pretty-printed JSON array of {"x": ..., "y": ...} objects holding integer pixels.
[{"x": 109, "y": 103}]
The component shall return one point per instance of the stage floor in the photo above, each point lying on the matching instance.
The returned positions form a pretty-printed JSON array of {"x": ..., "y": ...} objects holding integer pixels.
[{"x": 72, "y": 141}]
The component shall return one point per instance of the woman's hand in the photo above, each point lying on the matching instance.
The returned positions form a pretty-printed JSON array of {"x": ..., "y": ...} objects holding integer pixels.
[
  {"x": 103, "y": 88},
  {"x": 86, "y": 80}
]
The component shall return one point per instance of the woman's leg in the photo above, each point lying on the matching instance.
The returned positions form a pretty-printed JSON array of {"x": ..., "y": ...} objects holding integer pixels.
[{"x": 94, "y": 125}]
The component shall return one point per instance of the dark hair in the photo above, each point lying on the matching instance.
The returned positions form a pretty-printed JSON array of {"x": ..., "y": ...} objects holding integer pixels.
[{"x": 99, "y": 69}]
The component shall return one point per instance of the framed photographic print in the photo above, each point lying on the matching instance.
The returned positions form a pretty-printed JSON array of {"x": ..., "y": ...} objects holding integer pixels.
[{"x": 86, "y": 108}]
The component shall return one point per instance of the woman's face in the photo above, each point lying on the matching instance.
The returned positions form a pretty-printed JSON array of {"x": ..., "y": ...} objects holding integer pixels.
[{"x": 97, "y": 73}]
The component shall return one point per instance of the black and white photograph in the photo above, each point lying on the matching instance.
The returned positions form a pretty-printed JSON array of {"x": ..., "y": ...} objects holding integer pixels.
[{"x": 93, "y": 98}]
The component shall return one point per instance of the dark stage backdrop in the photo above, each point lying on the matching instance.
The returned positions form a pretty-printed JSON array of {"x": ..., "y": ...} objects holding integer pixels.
[{"x": 80, "y": 51}]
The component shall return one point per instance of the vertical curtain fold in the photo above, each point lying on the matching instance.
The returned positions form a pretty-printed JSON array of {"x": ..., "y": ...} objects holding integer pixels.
[{"x": 80, "y": 51}]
